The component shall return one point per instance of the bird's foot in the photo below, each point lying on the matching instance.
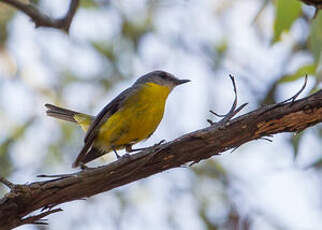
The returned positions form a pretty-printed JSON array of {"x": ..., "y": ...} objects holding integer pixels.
[
  {"x": 116, "y": 154},
  {"x": 84, "y": 167},
  {"x": 126, "y": 155},
  {"x": 160, "y": 143},
  {"x": 129, "y": 147}
]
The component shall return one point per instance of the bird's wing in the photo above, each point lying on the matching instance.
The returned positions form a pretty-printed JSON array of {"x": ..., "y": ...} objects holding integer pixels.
[{"x": 99, "y": 120}]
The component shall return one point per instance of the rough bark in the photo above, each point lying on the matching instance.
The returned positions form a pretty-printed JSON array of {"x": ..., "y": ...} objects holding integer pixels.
[{"x": 293, "y": 116}]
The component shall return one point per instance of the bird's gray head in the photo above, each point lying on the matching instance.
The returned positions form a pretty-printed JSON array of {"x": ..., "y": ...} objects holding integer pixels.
[{"x": 161, "y": 78}]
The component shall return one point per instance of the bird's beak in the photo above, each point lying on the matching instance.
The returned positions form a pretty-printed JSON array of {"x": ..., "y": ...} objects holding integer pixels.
[{"x": 179, "y": 82}]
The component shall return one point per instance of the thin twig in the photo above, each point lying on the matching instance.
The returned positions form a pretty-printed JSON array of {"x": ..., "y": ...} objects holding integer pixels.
[
  {"x": 225, "y": 117},
  {"x": 7, "y": 183},
  {"x": 154, "y": 151},
  {"x": 210, "y": 121},
  {"x": 233, "y": 107},
  {"x": 234, "y": 149},
  {"x": 42, "y": 20},
  {"x": 291, "y": 99},
  {"x": 266, "y": 139},
  {"x": 37, "y": 219},
  {"x": 217, "y": 114},
  {"x": 233, "y": 111},
  {"x": 56, "y": 175}
]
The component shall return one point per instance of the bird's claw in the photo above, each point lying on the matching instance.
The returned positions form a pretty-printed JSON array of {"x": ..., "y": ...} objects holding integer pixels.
[
  {"x": 84, "y": 167},
  {"x": 160, "y": 143},
  {"x": 126, "y": 155}
]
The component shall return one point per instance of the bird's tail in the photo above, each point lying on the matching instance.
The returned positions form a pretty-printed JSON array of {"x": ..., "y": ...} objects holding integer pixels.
[
  {"x": 82, "y": 119},
  {"x": 92, "y": 154},
  {"x": 61, "y": 113}
]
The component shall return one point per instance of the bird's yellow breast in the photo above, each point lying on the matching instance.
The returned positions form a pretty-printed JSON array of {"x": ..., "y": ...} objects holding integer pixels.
[{"x": 136, "y": 120}]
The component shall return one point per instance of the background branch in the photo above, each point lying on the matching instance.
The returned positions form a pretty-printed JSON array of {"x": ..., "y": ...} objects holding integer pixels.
[
  {"x": 192, "y": 147},
  {"x": 42, "y": 20},
  {"x": 316, "y": 3}
]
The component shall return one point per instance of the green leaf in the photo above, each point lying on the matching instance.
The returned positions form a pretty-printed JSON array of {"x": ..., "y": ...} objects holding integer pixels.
[
  {"x": 89, "y": 4},
  {"x": 105, "y": 49},
  {"x": 6, "y": 14},
  {"x": 315, "y": 40},
  {"x": 303, "y": 70},
  {"x": 317, "y": 164},
  {"x": 287, "y": 11},
  {"x": 295, "y": 141},
  {"x": 222, "y": 47},
  {"x": 6, "y": 165}
]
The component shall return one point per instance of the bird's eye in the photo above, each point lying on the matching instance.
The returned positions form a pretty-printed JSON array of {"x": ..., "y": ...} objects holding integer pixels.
[{"x": 163, "y": 75}]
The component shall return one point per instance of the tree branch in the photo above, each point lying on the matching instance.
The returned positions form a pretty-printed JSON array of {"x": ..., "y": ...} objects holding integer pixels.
[
  {"x": 316, "y": 3},
  {"x": 293, "y": 116},
  {"x": 42, "y": 20}
]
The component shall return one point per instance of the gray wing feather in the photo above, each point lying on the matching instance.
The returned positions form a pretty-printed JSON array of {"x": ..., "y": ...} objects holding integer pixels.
[
  {"x": 105, "y": 113},
  {"x": 99, "y": 120}
]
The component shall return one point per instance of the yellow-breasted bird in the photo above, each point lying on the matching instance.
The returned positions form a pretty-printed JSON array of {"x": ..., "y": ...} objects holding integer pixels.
[{"x": 128, "y": 119}]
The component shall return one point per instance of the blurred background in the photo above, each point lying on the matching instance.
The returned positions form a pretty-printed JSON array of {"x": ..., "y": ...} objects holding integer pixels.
[{"x": 267, "y": 45}]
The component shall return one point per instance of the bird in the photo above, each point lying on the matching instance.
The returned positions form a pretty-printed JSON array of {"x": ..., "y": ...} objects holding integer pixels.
[{"x": 129, "y": 118}]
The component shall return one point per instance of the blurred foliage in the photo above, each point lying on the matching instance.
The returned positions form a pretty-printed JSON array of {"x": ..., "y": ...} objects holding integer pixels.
[
  {"x": 211, "y": 174},
  {"x": 295, "y": 141},
  {"x": 287, "y": 11},
  {"x": 89, "y": 4},
  {"x": 315, "y": 40},
  {"x": 106, "y": 50},
  {"x": 309, "y": 69},
  {"x": 135, "y": 31},
  {"x": 6, "y": 14},
  {"x": 6, "y": 165},
  {"x": 55, "y": 153}
]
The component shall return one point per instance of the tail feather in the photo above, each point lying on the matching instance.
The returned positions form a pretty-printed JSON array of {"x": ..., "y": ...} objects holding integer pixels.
[
  {"x": 61, "y": 113},
  {"x": 92, "y": 154},
  {"x": 88, "y": 152}
]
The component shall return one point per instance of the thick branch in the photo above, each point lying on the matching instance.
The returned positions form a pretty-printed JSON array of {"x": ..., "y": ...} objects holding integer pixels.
[
  {"x": 41, "y": 19},
  {"x": 294, "y": 116},
  {"x": 316, "y": 3}
]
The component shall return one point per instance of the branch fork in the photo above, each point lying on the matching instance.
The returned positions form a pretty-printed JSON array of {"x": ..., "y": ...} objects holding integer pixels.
[
  {"x": 232, "y": 112},
  {"x": 42, "y": 20}
]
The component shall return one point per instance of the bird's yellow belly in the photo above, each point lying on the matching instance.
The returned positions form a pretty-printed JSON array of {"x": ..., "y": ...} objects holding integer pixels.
[{"x": 136, "y": 121}]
